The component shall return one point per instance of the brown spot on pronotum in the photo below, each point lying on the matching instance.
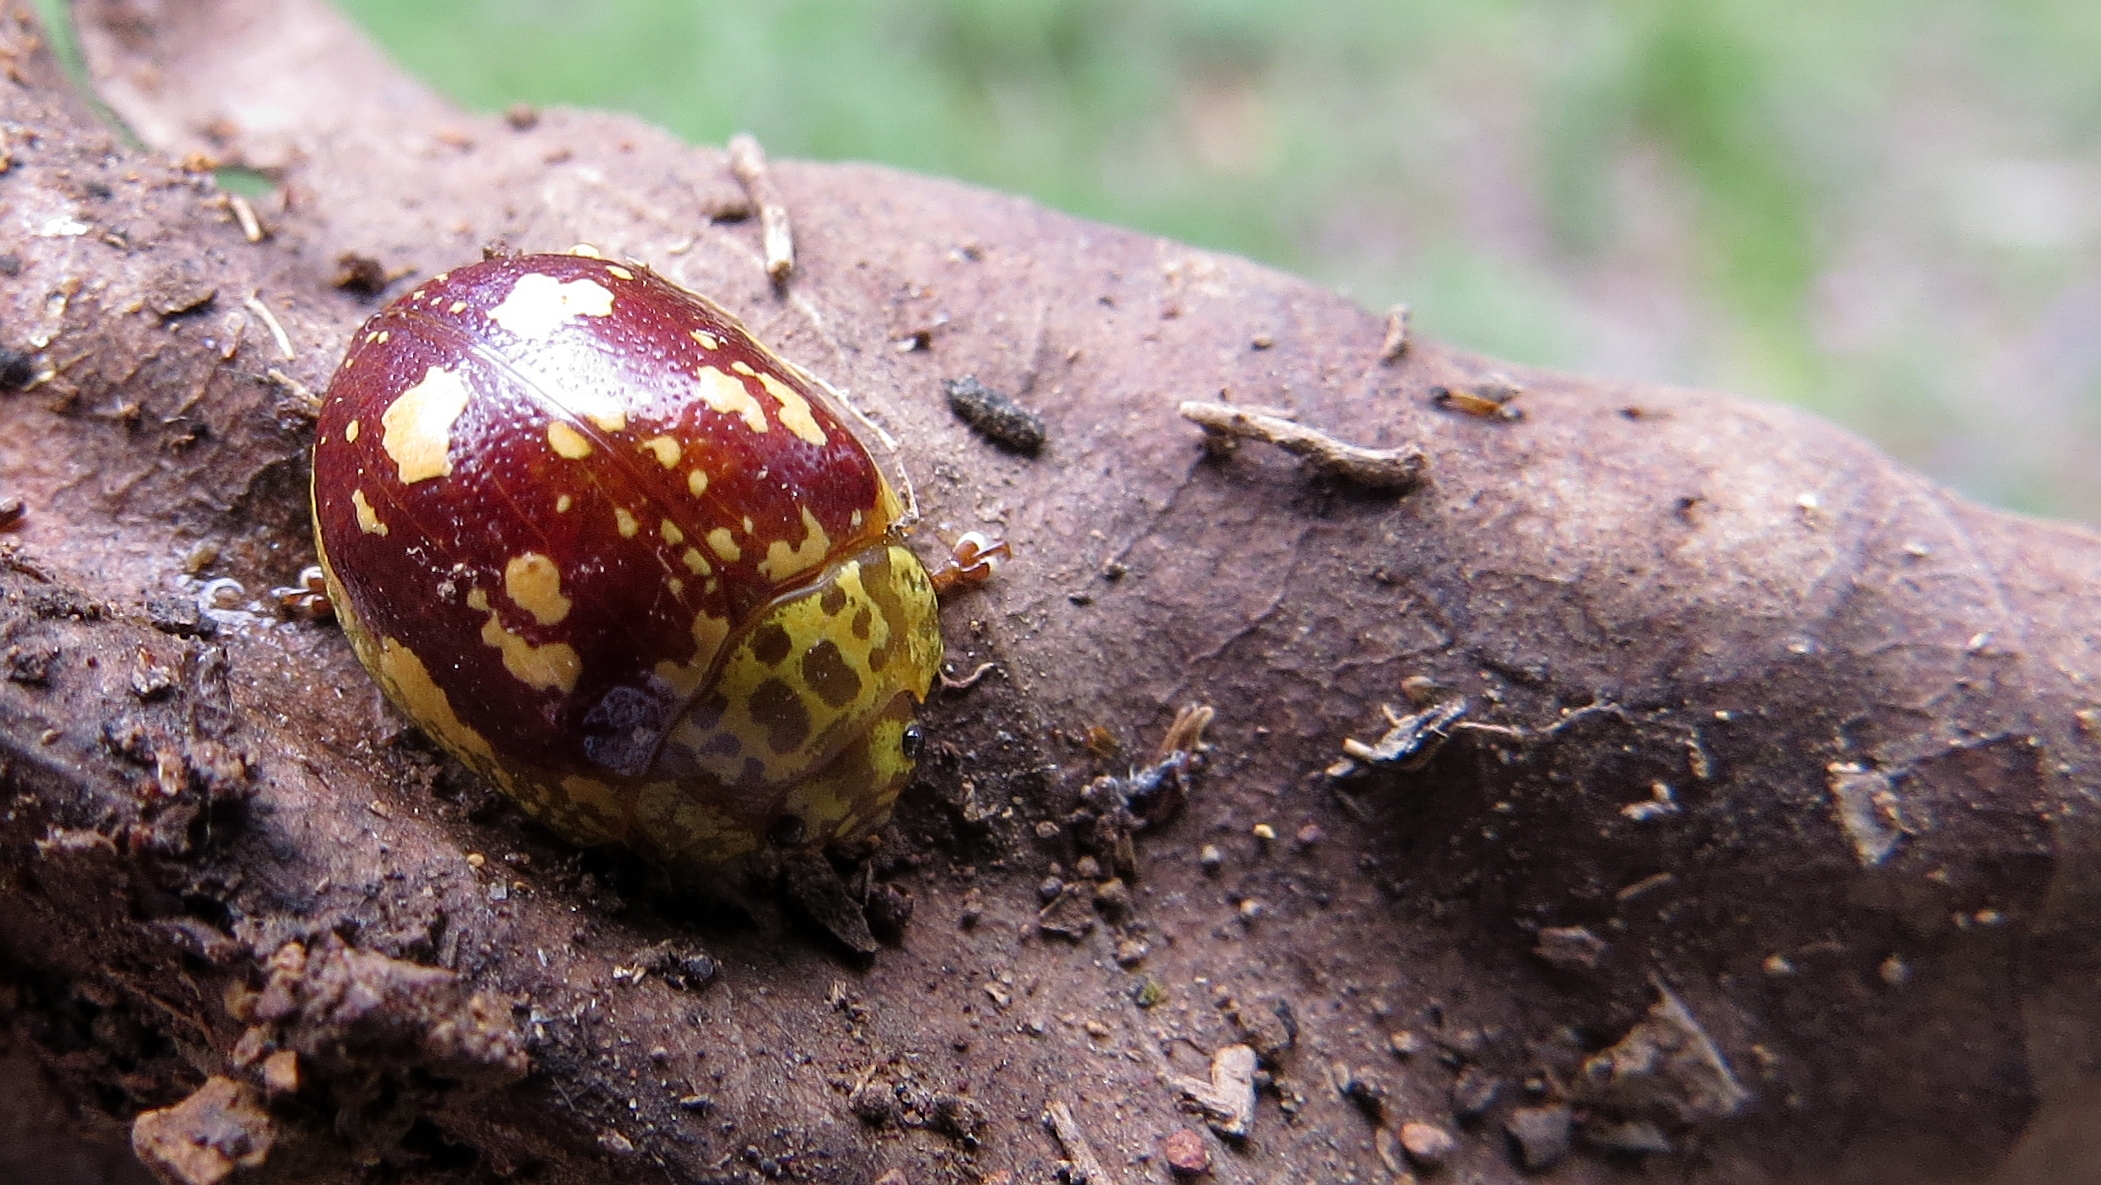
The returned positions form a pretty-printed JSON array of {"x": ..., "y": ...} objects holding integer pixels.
[
  {"x": 776, "y": 708},
  {"x": 826, "y": 672},
  {"x": 770, "y": 644}
]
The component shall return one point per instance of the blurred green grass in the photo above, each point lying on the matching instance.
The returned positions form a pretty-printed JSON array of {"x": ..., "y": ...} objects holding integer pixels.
[{"x": 1881, "y": 210}]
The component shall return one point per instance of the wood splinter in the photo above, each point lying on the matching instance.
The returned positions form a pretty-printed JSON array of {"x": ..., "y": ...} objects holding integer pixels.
[
  {"x": 748, "y": 162},
  {"x": 1396, "y": 343},
  {"x": 1086, "y": 1167},
  {"x": 1373, "y": 468}
]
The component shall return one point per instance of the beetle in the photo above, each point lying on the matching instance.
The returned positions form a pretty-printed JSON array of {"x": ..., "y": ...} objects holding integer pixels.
[{"x": 624, "y": 561}]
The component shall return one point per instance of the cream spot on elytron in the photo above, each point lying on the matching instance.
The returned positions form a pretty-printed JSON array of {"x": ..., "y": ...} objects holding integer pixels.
[
  {"x": 367, "y": 518},
  {"x": 697, "y": 482},
  {"x": 672, "y": 535},
  {"x": 696, "y": 562},
  {"x": 405, "y": 675},
  {"x": 729, "y": 396},
  {"x": 538, "y": 304},
  {"x": 567, "y": 441},
  {"x": 591, "y": 792},
  {"x": 708, "y": 341},
  {"x": 744, "y": 368},
  {"x": 677, "y": 586},
  {"x": 457, "y": 307},
  {"x": 350, "y": 432},
  {"x": 783, "y": 561},
  {"x": 534, "y": 582},
  {"x": 416, "y": 429},
  {"x": 724, "y": 545},
  {"x": 667, "y": 450},
  {"x": 684, "y": 677},
  {"x": 628, "y": 525},
  {"x": 563, "y": 503},
  {"x": 614, "y": 269},
  {"x": 795, "y": 410},
  {"x": 598, "y": 406},
  {"x": 552, "y": 667}
]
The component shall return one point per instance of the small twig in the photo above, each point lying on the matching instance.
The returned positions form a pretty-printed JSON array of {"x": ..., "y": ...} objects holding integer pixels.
[
  {"x": 1186, "y": 734},
  {"x": 748, "y": 162},
  {"x": 1410, "y": 740},
  {"x": 1396, "y": 343},
  {"x": 1487, "y": 399},
  {"x": 284, "y": 343},
  {"x": 1373, "y": 468},
  {"x": 1086, "y": 1167},
  {"x": 968, "y": 681},
  {"x": 293, "y": 387},
  {"x": 244, "y": 213}
]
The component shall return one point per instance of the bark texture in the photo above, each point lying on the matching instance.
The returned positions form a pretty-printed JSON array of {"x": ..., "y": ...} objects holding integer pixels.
[{"x": 1763, "y": 851}]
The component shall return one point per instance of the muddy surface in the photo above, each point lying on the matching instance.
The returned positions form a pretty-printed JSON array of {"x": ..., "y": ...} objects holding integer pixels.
[{"x": 1718, "y": 807}]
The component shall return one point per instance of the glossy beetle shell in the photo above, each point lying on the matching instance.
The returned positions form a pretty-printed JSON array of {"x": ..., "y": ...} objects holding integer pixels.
[{"x": 622, "y": 560}]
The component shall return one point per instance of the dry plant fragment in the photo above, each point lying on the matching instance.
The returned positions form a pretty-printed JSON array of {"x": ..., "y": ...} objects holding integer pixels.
[
  {"x": 1186, "y": 733},
  {"x": 995, "y": 416},
  {"x": 1409, "y": 741},
  {"x": 1396, "y": 343},
  {"x": 1397, "y": 469},
  {"x": 1227, "y": 1101},
  {"x": 284, "y": 342},
  {"x": 1086, "y": 1167},
  {"x": 244, "y": 213},
  {"x": 1488, "y": 399},
  {"x": 748, "y": 162}
]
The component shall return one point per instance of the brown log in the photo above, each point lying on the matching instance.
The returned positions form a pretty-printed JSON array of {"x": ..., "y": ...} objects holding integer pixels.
[{"x": 1760, "y": 834}]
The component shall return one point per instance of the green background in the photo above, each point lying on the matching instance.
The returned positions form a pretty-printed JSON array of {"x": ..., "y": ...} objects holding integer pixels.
[{"x": 1887, "y": 211}]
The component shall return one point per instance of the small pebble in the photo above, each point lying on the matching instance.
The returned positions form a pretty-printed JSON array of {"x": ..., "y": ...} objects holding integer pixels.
[
  {"x": 1187, "y": 1154},
  {"x": 1405, "y": 1043},
  {"x": 1265, "y": 832},
  {"x": 1570, "y": 948},
  {"x": 1541, "y": 1135},
  {"x": 1427, "y": 1144},
  {"x": 1474, "y": 1092},
  {"x": 1894, "y": 971},
  {"x": 1210, "y": 858},
  {"x": 1310, "y": 835}
]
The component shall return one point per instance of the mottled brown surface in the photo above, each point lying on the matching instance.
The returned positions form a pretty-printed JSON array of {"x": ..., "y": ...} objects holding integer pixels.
[{"x": 1639, "y": 587}]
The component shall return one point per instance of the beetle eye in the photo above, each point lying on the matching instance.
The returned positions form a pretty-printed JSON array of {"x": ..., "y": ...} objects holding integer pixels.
[{"x": 912, "y": 741}]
